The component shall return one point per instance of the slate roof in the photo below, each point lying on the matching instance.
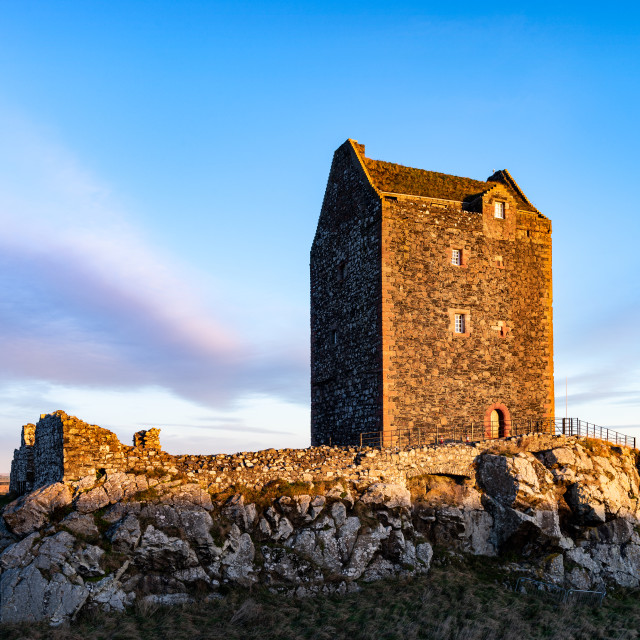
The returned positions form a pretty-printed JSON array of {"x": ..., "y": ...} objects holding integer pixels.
[{"x": 396, "y": 178}]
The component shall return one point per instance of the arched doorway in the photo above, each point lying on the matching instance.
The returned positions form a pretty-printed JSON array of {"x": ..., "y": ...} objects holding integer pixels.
[
  {"x": 497, "y": 424},
  {"x": 497, "y": 421}
]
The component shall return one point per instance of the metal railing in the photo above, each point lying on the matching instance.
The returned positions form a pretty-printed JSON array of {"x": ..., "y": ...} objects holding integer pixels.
[
  {"x": 423, "y": 435},
  {"x": 560, "y": 594}
]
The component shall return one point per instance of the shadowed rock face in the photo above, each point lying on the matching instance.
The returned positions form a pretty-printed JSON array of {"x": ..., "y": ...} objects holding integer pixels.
[{"x": 565, "y": 508}]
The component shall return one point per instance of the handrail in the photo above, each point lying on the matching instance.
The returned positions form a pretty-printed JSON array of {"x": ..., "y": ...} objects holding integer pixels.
[{"x": 468, "y": 432}]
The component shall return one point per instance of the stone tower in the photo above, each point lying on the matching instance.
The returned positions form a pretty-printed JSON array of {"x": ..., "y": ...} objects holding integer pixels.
[{"x": 431, "y": 302}]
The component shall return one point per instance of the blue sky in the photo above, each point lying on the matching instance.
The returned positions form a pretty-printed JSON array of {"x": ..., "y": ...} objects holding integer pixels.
[{"x": 162, "y": 166}]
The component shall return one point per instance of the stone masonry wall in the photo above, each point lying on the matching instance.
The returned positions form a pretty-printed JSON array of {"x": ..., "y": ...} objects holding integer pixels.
[
  {"x": 91, "y": 450},
  {"x": 22, "y": 474},
  {"x": 48, "y": 450},
  {"x": 345, "y": 307},
  {"x": 384, "y": 296},
  {"x": 64, "y": 448},
  {"x": 434, "y": 375}
]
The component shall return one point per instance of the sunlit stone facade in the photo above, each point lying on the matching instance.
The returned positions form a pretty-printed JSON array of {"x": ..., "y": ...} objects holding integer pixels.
[{"x": 431, "y": 302}]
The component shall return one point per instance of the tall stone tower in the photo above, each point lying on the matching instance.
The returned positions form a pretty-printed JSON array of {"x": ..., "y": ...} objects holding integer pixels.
[{"x": 431, "y": 302}]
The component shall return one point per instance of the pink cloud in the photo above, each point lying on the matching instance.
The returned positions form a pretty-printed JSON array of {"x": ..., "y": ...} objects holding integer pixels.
[{"x": 87, "y": 300}]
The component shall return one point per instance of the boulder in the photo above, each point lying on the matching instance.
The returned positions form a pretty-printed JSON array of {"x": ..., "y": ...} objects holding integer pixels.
[
  {"x": 159, "y": 552},
  {"x": 92, "y": 500},
  {"x": 109, "y": 595},
  {"x": 118, "y": 486},
  {"x": 31, "y": 511},
  {"x": 162, "y": 516},
  {"x": 26, "y": 596},
  {"x": 237, "y": 564},
  {"x": 188, "y": 495},
  {"x": 284, "y": 567},
  {"x": 560, "y": 457},
  {"x": 19, "y": 554},
  {"x": 120, "y": 510},
  {"x": 366, "y": 546},
  {"x": 54, "y": 551},
  {"x": 315, "y": 508},
  {"x": 586, "y": 507},
  {"x": 192, "y": 574},
  {"x": 86, "y": 561},
  {"x": 390, "y": 496},
  {"x": 478, "y": 527},
  {"x": 522, "y": 533},
  {"x": 81, "y": 525},
  {"x": 124, "y": 535},
  {"x": 347, "y": 535},
  {"x": 510, "y": 481},
  {"x": 196, "y": 527}
]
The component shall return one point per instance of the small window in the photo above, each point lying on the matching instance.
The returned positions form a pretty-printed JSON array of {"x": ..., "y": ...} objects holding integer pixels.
[
  {"x": 334, "y": 336},
  {"x": 499, "y": 210},
  {"x": 499, "y": 262},
  {"x": 456, "y": 257},
  {"x": 341, "y": 271},
  {"x": 460, "y": 323}
]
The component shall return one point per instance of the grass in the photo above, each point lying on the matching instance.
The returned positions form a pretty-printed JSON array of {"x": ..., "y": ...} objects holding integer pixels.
[{"x": 454, "y": 602}]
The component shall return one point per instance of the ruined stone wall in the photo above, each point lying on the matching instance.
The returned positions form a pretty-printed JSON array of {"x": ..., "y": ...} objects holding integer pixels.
[
  {"x": 434, "y": 375},
  {"x": 106, "y": 455},
  {"x": 22, "y": 476},
  {"x": 48, "y": 450},
  {"x": 62, "y": 448},
  {"x": 345, "y": 307}
]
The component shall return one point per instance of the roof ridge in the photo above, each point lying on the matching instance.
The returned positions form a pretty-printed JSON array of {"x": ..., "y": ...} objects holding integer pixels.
[
  {"x": 358, "y": 149},
  {"x": 514, "y": 185},
  {"x": 392, "y": 177}
]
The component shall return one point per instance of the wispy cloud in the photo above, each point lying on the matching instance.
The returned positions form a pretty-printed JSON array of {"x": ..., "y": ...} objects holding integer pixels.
[
  {"x": 631, "y": 398},
  {"x": 88, "y": 300},
  {"x": 601, "y": 360},
  {"x": 229, "y": 424}
]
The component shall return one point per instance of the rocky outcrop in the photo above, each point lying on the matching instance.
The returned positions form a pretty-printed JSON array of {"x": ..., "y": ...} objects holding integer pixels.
[
  {"x": 117, "y": 545},
  {"x": 32, "y": 511},
  {"x": 564, "y": 509}
]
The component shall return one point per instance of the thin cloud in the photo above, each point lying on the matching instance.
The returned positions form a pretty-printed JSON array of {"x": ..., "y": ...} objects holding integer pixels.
[
  {"x": 234, "y": 425},
  {"x": 610, "y": 397},
  {"x": 88, "y": 301}
]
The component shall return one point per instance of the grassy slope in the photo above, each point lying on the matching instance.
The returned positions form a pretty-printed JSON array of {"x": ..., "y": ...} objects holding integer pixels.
[{"x": 454, "y": 602}]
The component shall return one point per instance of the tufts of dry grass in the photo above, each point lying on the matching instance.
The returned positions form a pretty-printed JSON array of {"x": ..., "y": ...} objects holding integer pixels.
[
  {"x": 274, "y": 489},
  {"x": 454, "y": 602}
]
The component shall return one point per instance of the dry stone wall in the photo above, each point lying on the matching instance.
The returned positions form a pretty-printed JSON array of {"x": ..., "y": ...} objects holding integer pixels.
[
  {"x": 22, "y": 474},
  {"x": 72, "y": 449}
]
